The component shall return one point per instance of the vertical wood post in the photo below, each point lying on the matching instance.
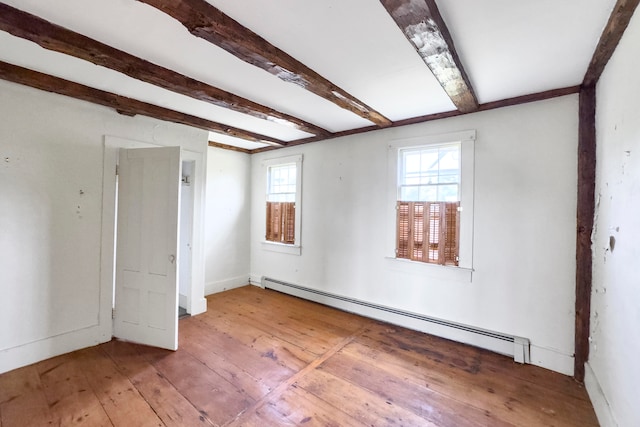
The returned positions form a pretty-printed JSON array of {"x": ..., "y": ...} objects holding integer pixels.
[{"x": 585, "y": 215}]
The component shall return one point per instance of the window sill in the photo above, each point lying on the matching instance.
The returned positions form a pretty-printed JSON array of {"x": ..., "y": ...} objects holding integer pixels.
[
  {"x": 281, "y": 248},
  {"x": 445, "y": 272}
]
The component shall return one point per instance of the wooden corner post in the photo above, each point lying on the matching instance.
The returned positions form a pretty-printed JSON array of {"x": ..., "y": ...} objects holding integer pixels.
[{"x": 584, "y": 223}]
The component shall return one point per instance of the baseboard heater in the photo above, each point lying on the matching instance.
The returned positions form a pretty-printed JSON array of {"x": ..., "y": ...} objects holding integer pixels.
[{"x": 517, "y": 347}]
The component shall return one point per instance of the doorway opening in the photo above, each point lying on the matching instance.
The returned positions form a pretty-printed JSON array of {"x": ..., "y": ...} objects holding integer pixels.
[
  {"x": 185, "y": 231},
  {"x": 185, "y": 249},
  {"x": 191, "y": 286}
]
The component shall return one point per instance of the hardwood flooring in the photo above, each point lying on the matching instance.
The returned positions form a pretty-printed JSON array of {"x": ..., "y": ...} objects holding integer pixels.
[{"x": 261, "y": 358}]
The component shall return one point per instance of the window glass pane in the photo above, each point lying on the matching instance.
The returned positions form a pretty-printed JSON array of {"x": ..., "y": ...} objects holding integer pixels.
[
  {"x": 449, "y": 157},
  {"x": 410, "y": 194},
  {"x": 449, "y": 177},
  {"x": 448, "y": 193},
  {"x": 412, "y": 180},
  {"x": 428, "y": 193},
  {"x": 430, "y": 166},
  {"x": 430, "y": 174},
  {"x": 412, "y": 162},
  {"x": 282, "y": 183}
]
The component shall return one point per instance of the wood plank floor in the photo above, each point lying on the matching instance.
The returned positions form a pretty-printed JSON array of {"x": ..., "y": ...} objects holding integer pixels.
[{"x": 261, "y": 358}]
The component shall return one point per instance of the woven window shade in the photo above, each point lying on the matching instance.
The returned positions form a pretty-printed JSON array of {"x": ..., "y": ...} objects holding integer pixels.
[
  {"x": 428, "y": 232},
  {"x": 281, "y": 221}
]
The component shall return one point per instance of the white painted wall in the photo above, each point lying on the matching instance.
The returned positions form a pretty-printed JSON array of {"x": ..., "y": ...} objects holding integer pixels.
[
  {"x": 51, "y": 151},
  {"x": 613, "y": 372},
  {"x": 227, "y": 220},
  {"x": 524, "y": 227}
]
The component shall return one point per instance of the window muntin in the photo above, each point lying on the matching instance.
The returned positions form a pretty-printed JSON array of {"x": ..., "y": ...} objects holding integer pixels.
[
  {"x": 281, "y": 185},
  {"x": 430, "y": 174}
]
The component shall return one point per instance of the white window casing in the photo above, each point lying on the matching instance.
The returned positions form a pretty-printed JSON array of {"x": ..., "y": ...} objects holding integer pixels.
[
  {"x": 294, "y": 249},
  {"x": 467, "y": 142}
]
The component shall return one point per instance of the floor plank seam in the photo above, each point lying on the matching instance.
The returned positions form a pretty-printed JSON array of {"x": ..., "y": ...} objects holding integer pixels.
[
  {"x": 93, "y": 388},
  {"x": 383, "y": 395},
  {"x": 276, "y": 392},
  {"x": 203, "y": 415},
  {"x": 151, "y": 365},
  {"x": 265, "y": 329}
]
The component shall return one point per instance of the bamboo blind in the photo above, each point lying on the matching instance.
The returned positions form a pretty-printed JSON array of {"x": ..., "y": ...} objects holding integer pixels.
[
  {"x": 428, "y": 232},
  {"x": 281, "y": 221}
]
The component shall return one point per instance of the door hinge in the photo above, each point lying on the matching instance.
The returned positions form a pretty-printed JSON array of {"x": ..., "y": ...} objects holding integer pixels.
[
  {"x": 113, "y": 313},
  {"x": 117, "y": 170}
]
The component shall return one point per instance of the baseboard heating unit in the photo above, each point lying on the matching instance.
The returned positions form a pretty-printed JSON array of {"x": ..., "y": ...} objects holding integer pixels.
[{"x": 517, "y": 347}]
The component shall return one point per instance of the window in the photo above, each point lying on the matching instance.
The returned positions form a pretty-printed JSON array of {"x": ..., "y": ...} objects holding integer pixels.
[
  {"x": 431, "y": 199},
  {"x": 283, "y": 204},
  {"x": 428, "y": 223}
]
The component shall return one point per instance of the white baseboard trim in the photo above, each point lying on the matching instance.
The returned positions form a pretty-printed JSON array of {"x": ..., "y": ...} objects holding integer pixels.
[
  {"x": 183, "y": 301},
  {"x": 256, "y": 280},
  {"x": 552, "y": 359},
  {"x": 199, "y": 306},
  {"x": 223, "y": 285},
  {"x": 494, "y": 341},
  {"x": 598, "y": 399},
  {"x": 27, "y": 354},
  {"x": 490, "y": 340}
]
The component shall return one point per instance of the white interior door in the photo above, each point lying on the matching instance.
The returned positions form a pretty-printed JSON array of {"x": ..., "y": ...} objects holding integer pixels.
[{"x": 146, "y": 294}]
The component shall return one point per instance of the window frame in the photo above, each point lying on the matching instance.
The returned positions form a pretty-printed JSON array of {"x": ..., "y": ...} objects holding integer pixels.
[
  {"x": 466, "y": 139},
  {"x": 287, "y": 248}
]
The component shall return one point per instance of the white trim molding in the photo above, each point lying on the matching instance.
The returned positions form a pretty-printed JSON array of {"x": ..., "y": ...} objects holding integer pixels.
[
  {"x": 296, "y": 248},
  {"x": 226, "y": 284},
  {"x": 598, "y": 399},
  {"x": 467, "y": 160}
]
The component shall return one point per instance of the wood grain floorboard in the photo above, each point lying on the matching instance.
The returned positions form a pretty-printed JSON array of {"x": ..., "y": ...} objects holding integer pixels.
[
  {"x": 306, "y": 409},
  {"x": 168, "y": 403},
  {"x": 119, "y": 398},
  {"x": 363, "y": 405},
  {"x": 69, "y": 394},
  {"x": 22, "y": 401},
  {"x": 264, "y": 342},
  {"x": 274, "y": 394},
  {"x": 262, "y": 358},
  {"x": 394, "y": 385}
]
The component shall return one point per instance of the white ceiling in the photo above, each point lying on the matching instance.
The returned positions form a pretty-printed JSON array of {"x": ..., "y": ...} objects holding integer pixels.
[{"x": 508, "y": 48}]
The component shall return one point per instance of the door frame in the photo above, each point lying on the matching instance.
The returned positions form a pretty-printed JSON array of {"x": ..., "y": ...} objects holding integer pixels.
[{"x": 198, "y": 304}]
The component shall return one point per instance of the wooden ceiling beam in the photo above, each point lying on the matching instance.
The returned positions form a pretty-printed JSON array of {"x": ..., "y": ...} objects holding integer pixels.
[
  {"x": 611, "y": 35},
  {"x": 508, "y": 102},
  {"x": 422, "y": 24},
  {"x": 59, "y": 39},
  {"x": 229, "y": 147},
  {"x": 207, "y": 22},
  {"x": 121, "y": 104}
]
